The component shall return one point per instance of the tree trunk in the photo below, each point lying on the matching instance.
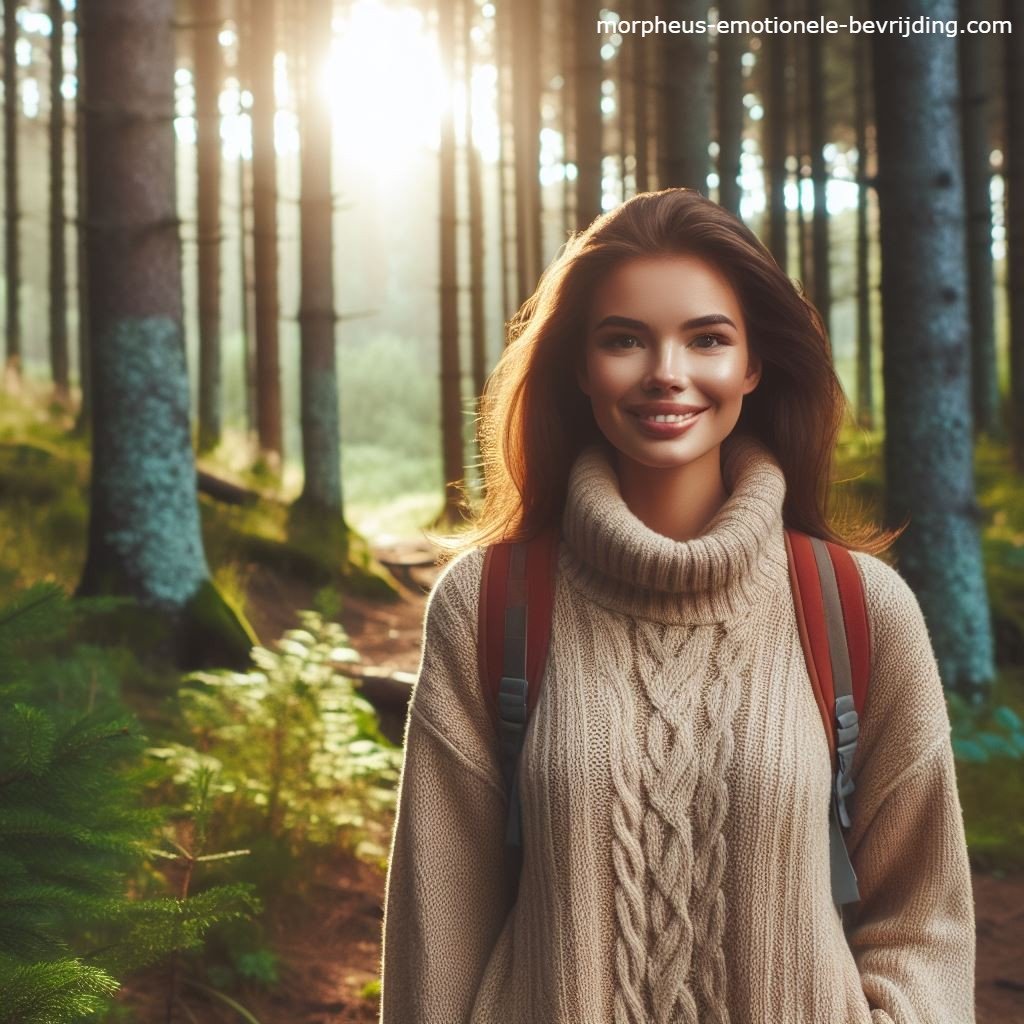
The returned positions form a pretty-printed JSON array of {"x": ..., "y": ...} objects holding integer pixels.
[
  {"x": 84, "y": 421},
  {"x": 774, "y": 127},
  {"x": 474, "y": 181},
  {"x": 641, "y": 102},
  {"x": 58, "y": 261},
  {"x": 801, "y": 146},
  {"x": 865, "y": 371},
  {"x": 525, "y": 34},
  {"x": 11, "y": 199},
  {"x": 817, "y": 89},
  {"x": 929, "y": 443},
  {"x": 1015, "y": 233},
  {"x": 209, "y": 76},
  {"x": 144, "y": 536},
  {"x": 321, "y": 433},
  {"x": 506, "y": 167},
  {"x": 589, "y": 142},
  {"x": 453, "y": 456},
  {"x": 686, "y": 124},
  {"x": 264, "y": 187},
  {"x": 247, "y": 312},
  {"x": 977, "y": 182},
  {"x": 731, "y": 47}
]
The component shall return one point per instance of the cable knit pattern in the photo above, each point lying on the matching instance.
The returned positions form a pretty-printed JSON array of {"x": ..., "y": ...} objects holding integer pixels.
[{"x": 675, "y": 796}]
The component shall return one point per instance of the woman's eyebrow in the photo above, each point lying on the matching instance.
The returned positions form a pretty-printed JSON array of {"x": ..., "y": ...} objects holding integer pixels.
[{"x": 697, "y": 321}]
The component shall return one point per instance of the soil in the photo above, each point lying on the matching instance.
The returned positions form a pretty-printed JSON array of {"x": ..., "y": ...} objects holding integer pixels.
[{"x": 329, "y": 945}]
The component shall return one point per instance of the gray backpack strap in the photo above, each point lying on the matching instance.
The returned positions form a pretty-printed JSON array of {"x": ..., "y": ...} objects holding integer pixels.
[
  {"x": 513, "y": 692},
  {"x": 844, "y": 879}
]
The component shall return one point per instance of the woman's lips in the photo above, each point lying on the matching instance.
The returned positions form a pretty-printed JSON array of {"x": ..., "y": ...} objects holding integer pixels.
[{"x": 666, "y": 430}]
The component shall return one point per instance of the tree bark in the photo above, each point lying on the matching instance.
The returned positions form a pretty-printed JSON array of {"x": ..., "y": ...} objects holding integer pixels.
[
  {"x": 865, "y": 370},
  {"x": 12, "y": 266},
  {"x": 453, "y": 456},
  {"x": 686, "y": 124},
  {"x": 84, "y": 419},
  {"x": 731, "y": 47},
  {"x": 1015, "y": 233},
  {"x": 264, "y": 187},
  {"x": 589, "y": 129},
  {"x": 641, "y": 101},
  {"x": 817, "y": 91},
  {"x": 525, "y": 34},
  {"x": 144, "y": 537},
  {"x": 209, "y": 74},
  {"x": 474, "y": 182},
  {"x": 321, "y": 432},
  {"x": 774, "y": 128},
  {"x": 58, "y": 260},
  {"x": 929, "y": 444},
  {"x": 974, "y": 57}
]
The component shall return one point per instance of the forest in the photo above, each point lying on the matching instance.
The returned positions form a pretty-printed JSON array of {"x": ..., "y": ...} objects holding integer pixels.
[{"x": 260, "y": 258}]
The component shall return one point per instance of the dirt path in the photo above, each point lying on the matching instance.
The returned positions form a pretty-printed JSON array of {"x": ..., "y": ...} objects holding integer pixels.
[{"x": 330, "y": 948}]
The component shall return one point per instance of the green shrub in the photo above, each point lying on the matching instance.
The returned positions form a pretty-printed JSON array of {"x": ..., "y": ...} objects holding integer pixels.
[{"x": 298, "y": 753}]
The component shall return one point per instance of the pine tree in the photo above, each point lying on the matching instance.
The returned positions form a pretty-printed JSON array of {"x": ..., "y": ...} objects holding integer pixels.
[{"x": 75, "y": 827}]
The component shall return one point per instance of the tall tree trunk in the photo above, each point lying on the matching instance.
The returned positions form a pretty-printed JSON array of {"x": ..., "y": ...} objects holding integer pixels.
[
  {"x": 58, "y": 261},
  {"x": 144, "y": 536},
  {"x": 453, "y": 456},
  {"x": 209, "y": 75},
  {"x": 641, "y": 101},
  {"x": 1015, "y": 232},
  {"x": 801, "y": 146},
  {"x": 474, "y": 182},
  {"x": 525, "y": 34},
  {"x": 686, "y": 123},
  {"x": 865, "y": 371},
  {"x": 774, "y": 126},
  {"x": 589, "y": 144},
  {"x": 929, "y": 444},
  {"x": 247, "y": 303},
  {"x": 321, "y": 435},
  {"x": 264, "y": 187},
  {"x": 506, "y": 171},
  {"x": 13, "y": 248},
  {"x": 83, "y": 423},
  {"x": 817, "y": 89},
  {"x": 977, "y": 179},
  {"x": 731, "y": 46}
]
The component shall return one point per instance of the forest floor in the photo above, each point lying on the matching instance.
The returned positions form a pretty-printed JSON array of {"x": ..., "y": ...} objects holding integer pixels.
[{"x": 329, "y": 946}]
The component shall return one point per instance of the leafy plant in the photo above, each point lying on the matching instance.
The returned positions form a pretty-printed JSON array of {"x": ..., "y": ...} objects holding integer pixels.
[
  {"x": 75, "y": 915},
  {"x": 298, "y": 752},
  {"x": 981, "y": 734}
]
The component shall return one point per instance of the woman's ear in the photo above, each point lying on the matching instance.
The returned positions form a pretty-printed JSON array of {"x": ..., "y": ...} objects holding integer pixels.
[{"x": 753, "y": 376}]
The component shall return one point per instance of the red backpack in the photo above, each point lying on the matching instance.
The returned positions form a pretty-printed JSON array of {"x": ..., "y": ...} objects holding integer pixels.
[{"x": 516, "y": 596}]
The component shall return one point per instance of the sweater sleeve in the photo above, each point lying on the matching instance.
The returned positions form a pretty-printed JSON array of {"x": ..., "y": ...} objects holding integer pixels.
[
  {"x": 912, "y": 933},
  {"x": 447, "y": 891}
]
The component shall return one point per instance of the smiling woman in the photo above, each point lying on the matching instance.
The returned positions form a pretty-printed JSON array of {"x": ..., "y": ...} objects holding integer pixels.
[
  {"x": 650, "y": 839},
  {"x": 667, "y": 401}
]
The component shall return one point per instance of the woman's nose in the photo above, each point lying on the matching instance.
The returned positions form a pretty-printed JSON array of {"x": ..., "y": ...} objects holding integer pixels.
[{"x": 668, "y": 369}]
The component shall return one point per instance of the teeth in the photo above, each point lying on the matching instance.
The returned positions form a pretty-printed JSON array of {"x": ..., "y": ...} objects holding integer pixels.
[{"x": 675, "y": 418}]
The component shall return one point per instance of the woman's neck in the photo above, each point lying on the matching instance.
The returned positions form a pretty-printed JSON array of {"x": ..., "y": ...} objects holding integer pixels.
[{"x": 677, "y": 503}]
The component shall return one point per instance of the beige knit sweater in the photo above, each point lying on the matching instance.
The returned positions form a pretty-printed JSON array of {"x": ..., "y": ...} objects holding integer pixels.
[{"x": 675, "y": 791}]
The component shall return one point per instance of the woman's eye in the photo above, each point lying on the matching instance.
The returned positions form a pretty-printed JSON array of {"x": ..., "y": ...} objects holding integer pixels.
[
  {"x": 614, "y": 340},
  {"x": 716, "y": 338}
]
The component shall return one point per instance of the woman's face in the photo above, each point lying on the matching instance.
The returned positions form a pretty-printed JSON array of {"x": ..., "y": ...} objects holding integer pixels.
[{"x": 666, "y": 334}]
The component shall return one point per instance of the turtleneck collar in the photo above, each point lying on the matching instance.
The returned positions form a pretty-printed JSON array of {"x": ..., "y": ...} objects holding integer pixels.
[{"x": 619, "y": 562}]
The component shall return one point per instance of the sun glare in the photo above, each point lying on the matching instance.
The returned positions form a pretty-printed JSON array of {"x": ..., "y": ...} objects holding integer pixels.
[{"x": 385, "y": 84}]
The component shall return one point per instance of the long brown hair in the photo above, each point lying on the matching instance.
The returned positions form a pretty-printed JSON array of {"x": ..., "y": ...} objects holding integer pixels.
[{"x": 534, "y": 420}]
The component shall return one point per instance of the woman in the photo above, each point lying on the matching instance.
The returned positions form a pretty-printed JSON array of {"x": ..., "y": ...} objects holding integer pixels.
[{"x": 668, "y": 398}]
